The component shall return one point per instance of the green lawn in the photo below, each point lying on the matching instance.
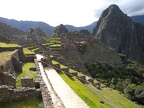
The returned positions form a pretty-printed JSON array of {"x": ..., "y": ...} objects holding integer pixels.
[
  {"x": 26, "y": 73},
  {"x": 88, "y": 93},
  {"x": 54, "y": 62},
  {"x": 33, "y": 50},
  {"x": 27, "y": 103},
  {"x": 4, "y": 57},
  {"x": 55, "y": 45},
  {"x": 93, "y": 100},
  {"x": 118, "y": 99},
  {"x": 8, "y": 45},
  {"x": 63, "y": 66},
  {"x": 27, "y": 51}
]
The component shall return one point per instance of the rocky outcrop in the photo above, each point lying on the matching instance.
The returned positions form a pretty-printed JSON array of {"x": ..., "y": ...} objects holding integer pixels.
[
  {"x": 10, "y": 34},
  {"x": 60, "y": 29},
  {"x": 86, "y": 32},
  {"x": 118, "y": 31}
]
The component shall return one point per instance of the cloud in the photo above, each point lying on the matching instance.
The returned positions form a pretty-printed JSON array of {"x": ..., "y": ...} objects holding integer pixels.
[
  {"x": 129, "y": 7},
  {"x": 74, "y": 12}
]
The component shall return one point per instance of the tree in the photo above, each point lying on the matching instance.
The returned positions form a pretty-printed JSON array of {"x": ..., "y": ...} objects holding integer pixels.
[{"x": 129, "y": 91}]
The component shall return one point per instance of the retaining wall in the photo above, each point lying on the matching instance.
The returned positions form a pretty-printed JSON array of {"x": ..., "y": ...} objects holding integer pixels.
[{"x": 9, "y": 94}]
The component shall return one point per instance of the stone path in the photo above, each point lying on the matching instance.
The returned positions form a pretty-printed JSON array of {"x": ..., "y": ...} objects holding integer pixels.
[{"x": 69, "y": 98}]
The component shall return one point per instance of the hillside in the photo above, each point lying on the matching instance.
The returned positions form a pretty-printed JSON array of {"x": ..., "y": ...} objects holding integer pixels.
[
  {"x": 118, "y": 31},
  {"x": 10, "y": 34},
  {"x": 138, "y": 19},
  {"x": 26, "y": 25}
]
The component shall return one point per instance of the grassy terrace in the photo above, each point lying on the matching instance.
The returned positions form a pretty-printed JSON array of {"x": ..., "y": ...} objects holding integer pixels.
[
  {"x": 118, "y": 99},
  {"x": 89, "y": 94},
  {"x": 26, "y": 73},
  {"x": 27, "y": 103},
  {"x": 27, "y": 51},
  {"x": 8, "y": 45},
  {"x": 92, "y": 100},
  {"x": 4, "y": 57}
]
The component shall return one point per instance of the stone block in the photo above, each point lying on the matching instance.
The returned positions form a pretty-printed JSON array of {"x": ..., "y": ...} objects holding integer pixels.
[{"x": 27, "y": 82}]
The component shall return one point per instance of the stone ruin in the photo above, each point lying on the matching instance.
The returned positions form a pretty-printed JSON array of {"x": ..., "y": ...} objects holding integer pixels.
[{"x": 8, "y": 90}]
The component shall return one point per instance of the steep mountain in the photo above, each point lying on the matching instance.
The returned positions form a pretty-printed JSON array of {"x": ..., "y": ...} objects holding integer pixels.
[
  {"x": 118, "y": 31},
  {"x": 138, "y": 19},
  {"x": 60, "y": 29},
  {"x": 26, "y": 25}
]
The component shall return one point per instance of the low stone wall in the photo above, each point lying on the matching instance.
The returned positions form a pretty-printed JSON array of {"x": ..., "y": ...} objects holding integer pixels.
[
  {"x": 9, "y": 48},
  {"x": 8, "y": 79},
  {"x": 9, "y": 94},
  {"x": 13, "y": 64},
  {"x": 30, "y": 57},
  {"x": 27, "y": 82},
  {"x": 20, "y": 55}
]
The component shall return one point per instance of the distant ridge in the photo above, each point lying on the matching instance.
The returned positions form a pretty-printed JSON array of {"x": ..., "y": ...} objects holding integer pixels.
[
  {"x": 26, "y": 25},
  {"x": 138, "y": 19}
]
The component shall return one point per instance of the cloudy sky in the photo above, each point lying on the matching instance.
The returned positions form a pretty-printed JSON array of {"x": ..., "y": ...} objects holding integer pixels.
[{"x": 73, "y": 12}]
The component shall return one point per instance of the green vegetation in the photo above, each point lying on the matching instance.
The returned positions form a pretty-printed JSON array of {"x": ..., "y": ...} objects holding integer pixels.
[
  {"x": 118, "y": 98},
  {"x": 8, "y": 45},
  {"x": 55, "y": 40},
  {"x": 27, "y": 51},
  {"x": 63, "y": 66},
  {"x": 54, "y": 35},
  {"x": 55, "y": 45},
  {"x": 26, "y": 73},
  {"x": 93, "y": 100},
  {"x": 54, "y": 62},
  {"x": 35, "y": 49},
  {"x": 125, "y": 79},
  {"x": 89, "y": 94},
  {"x": 30, "y": 49},
  {"x": 27, "y": 103},
  {"x": 5, "y": 55},
  {"x": 71, "y": 70}
]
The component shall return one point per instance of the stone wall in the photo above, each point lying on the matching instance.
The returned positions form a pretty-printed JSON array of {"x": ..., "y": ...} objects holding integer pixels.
[
  {"x": 30, "y": 57},
  {"x": 27, "y": 82},
  {"x": 9, "y": 48},
  {"x": 9, "y": 94},
  {"x": 19, "y": 54},
  {"x": 8, "y": 79}
]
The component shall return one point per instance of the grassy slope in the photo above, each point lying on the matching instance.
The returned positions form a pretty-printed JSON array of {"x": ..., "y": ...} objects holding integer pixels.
[
  {"x": 8, "y": 45},
  {"x": 118, "y": 99},
  {"x": 89, "y": 95},
  {"x": 26, "y": 73},
  {"x": 91, "y": 99},
  {"x": 27, "y": 103},
  {"x": 27, "y": 51},
  {"x": 4, "y": 57}
]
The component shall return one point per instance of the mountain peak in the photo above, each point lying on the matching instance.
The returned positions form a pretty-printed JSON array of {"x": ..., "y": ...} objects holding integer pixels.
[
  {"x": 112, "y": 10},
  {"x": 113, "y": 7},
  {"x": 60, "y": 29},
  {"x": 117, "y": 30}
]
